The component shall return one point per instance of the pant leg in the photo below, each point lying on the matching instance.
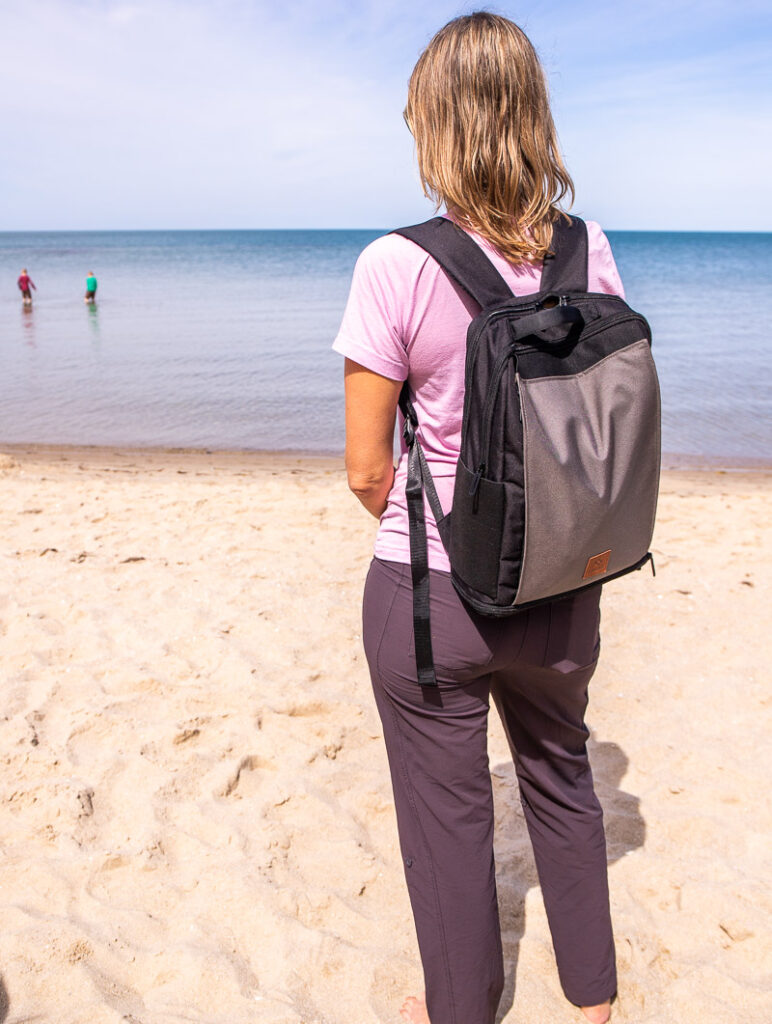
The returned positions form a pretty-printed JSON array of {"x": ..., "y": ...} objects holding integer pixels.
[
  {"x": 541, "y": 697},
  {"x": 436, "y": 739}
]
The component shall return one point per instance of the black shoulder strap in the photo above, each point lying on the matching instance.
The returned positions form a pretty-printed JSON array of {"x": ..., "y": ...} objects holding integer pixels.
[
  {"x": 565, "y": 269},
  {"x": 461, "y": 258},
  {"x": 419, "y": 482}
]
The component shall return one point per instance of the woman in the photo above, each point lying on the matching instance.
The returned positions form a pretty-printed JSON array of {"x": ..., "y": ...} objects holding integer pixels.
[{"x": 487, "y": 150}]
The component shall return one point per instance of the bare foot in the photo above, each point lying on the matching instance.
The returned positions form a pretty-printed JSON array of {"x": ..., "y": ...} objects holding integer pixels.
[
  {"x": 597, "y": 1014},
  {"x": 414, "y": 1011}
]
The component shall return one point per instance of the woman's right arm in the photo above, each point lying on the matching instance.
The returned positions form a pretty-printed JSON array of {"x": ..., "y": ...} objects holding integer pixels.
[{"x": 371, "y": 409}]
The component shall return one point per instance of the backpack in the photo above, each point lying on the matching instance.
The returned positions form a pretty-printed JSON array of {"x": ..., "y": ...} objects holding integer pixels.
[{"x": 558, "y": 474}]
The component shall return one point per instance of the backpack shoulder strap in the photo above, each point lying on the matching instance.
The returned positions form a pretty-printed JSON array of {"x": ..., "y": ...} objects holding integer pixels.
[
  {"x": 565, "y": 268},
  {"x": 461, "y": 258}
]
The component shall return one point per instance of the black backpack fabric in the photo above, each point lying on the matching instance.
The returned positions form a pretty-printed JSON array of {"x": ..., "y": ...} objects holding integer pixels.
[{"x": 557, "y": 480}]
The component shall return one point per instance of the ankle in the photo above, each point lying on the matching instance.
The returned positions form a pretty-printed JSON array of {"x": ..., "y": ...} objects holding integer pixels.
[{"x": 598, "y": 1014}]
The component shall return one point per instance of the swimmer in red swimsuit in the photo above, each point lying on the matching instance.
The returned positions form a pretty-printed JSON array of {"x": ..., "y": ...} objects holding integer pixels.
[{"x": 25, "y": 282}]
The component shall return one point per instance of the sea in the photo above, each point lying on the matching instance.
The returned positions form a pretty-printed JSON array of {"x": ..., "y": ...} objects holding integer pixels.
[{"x": 221, "y": 339}]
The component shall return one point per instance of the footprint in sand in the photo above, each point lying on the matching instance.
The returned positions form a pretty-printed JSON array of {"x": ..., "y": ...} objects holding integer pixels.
[
  {"x": 120, "y": 997},
  {"x": 306, "y": 709},
  {"x": 244, "y": 782}
]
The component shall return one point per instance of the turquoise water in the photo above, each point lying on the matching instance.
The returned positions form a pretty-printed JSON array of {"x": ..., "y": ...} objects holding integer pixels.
[{"x": 221, "y": 339}]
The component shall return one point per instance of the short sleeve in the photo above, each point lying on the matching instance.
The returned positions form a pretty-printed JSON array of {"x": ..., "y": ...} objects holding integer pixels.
[
  {"x": 602, "y": 272},
  {"x": 371, "y": 332}
]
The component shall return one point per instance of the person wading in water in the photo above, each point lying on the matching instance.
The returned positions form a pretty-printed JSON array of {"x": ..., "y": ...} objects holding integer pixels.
[{"x": 25, "y": 282}]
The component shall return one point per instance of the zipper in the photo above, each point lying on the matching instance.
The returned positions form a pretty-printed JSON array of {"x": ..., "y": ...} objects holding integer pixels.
[
  {"x": 620, "y": 318},
  {"x": 487, "y": 420},
  {"x": 563, "y": 301},
  {"x": 471, "y": 352},
  {"x": 497, "y": 314},
  {"x": 636, "y": 566},
  {"x": 476, "y": 482}
]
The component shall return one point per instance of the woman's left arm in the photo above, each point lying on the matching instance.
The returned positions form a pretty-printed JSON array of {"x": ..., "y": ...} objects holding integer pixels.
[{"x": 371, "y": 409}]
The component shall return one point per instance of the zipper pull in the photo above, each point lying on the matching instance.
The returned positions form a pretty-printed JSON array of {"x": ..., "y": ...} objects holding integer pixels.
[
  {"x": 653, "y": 569},
  {"x": 563, "y": 300},
  {"x": 473, "y": 487}
]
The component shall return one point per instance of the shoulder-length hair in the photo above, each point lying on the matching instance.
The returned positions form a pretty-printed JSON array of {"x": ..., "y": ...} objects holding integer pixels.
[{"x": 486, "y": 144}]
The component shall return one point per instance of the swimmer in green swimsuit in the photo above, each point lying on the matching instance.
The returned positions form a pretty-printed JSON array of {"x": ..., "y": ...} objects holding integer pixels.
[{"x": 91, "y": 287}]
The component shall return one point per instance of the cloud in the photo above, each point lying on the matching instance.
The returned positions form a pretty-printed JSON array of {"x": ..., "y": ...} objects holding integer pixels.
[
  {"x": 184, "y": 113},
  {"x": 245, "y": 113},
  {"x": 124, "y": 13}
]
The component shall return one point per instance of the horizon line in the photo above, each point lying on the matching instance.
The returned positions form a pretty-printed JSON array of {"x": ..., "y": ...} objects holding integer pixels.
[{"x": 114, "y": 230}]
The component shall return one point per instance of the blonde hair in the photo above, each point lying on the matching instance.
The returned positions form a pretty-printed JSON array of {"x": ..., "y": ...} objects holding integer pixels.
[{"x": 486, "y": 143}]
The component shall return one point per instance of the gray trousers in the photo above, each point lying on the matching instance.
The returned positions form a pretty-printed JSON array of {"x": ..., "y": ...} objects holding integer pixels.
[{"x": 537, "y": 666}]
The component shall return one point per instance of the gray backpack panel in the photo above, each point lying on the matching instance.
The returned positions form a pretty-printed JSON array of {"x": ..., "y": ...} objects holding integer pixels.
[{"x": 591, "y": 452}]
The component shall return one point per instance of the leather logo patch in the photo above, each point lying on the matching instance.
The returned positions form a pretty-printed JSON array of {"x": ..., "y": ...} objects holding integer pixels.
[{"x": 597, "y": 565}]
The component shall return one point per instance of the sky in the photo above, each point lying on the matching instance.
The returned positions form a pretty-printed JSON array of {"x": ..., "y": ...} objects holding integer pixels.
[{"x": 288, "y": 114}]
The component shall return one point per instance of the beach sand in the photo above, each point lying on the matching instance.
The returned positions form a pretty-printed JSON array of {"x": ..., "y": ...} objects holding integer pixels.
[{"x": 196, "y": 817}]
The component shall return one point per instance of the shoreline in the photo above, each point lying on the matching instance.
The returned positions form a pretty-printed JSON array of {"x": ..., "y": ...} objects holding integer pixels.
[
  {"x": 91, "y": 456},
  {"x": 277, "y": 460}
]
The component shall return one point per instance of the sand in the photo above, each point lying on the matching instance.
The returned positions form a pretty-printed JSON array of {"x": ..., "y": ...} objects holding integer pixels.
[{"x": 196, "y": 819}]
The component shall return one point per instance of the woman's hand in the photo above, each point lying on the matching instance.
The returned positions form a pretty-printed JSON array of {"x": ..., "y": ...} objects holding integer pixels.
[{"x": 371, "y": 409}]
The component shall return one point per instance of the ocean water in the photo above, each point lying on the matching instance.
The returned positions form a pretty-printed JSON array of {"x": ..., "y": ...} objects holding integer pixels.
[{"x": 221, "y": 339}]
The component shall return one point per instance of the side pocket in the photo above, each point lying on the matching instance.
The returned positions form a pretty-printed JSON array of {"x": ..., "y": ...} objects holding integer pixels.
[{"x": 475, "y": 537}]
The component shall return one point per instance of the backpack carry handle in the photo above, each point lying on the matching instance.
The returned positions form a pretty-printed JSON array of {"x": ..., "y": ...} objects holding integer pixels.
[{"x": 555, "y": 316}]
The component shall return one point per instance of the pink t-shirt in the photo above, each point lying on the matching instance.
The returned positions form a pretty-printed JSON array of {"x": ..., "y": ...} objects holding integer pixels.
[{"x": 406, "y": 320}]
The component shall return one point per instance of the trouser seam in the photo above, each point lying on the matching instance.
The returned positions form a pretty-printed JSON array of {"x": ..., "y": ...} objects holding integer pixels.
[{"x": 410, "y": 796}]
